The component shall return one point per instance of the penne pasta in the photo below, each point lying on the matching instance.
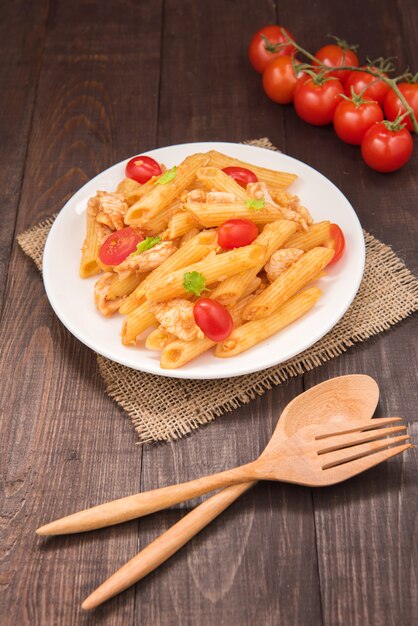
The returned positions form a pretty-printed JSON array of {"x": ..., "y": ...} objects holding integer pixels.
[
  {"x": 297, "y": 276},
  {"x": 213, "y": 269},
  {"x": 124, "y": 285},
  {"x": 180, "y": 224},
  {"x": 252, "y": 333},
  {"x": 316, "y": 235},
  {"x": 215, "y": 179},
  {"x": 89, "y": 251},
  {"x": 158, "y": 339},
  {"x": 135, "y": 323},
  {"x": 130, "y": 190},
  {"x": 214, "y": 214},
  {"x": 271, "y": 177}
]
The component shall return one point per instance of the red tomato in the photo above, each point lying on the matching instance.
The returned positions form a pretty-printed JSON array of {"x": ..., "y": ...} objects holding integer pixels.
[
  {"x": 260, "y": 51},
  {"x": 213, "y": 319},
  {"x": 316, "y": 102},
  {"x": 386, "y": 150},
  {"x": 119, "y": 245},
  {"x": 241, "y": 175},
  {"x": 375, "y": 89},
  {"x": 236, "y": 233},
  {"x": 336, "y": 241},
  {"x": 279, "y": 80},
  {"x": 333, "y": 55},
  {"x": 393, "y": 106},
  {"x": 352, "y": 120},
  {"x": 142, "y": 168}
]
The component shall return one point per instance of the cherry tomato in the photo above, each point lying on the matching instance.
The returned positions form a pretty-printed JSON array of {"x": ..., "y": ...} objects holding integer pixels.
[
  {"x": 279, "y": 80},
  {"x": 352, "y": 120},
  {"x": 375, "y": 89},
  {"x": 316, "y": 102},
  {"x": 334, "y": 55},
  {"x": 260, "y": 52},
  {"x": 393, "y": 106},
  {"x": 236, "y": 233},
  {"x": 386, "y": 150},
  {"x": 241, "y": 175},
  {"x": 142, "y": 168},
  {"x": 213, "y": 319},
  {"x": 336, "y": 241},
  {"x": 119, "y": 245}
]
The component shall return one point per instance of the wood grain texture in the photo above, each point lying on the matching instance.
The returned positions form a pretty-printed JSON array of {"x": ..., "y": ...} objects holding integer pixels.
[{"x": 115, "y": 79}]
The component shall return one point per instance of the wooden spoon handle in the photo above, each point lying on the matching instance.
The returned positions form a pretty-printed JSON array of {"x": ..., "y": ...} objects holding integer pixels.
[
  {"x": 165, "y": 545},
  {"x": 145, "y": 503}
]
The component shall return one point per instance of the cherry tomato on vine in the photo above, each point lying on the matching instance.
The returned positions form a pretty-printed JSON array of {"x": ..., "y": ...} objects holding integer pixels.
[
  {"x": 315, "y": 102},
  {"x": 375, "y": 89},
  {"x": 213, "y": 319},
  {"x": 393, "y": 106},
  {"x": 280, "y": 80},
  {"x": 260, "y": 51},
  {"x": 241, "y": 175},
  {"x": 336, "y": 241},
  {"x": 142, "y": 168},
  {"x": 119, "y": 245},
  {"x": 387, "y": 146},
  {"x": 236, "y": 233},
  {"x": 353, "y": 119},
  {"x": 338, "y": 55}
]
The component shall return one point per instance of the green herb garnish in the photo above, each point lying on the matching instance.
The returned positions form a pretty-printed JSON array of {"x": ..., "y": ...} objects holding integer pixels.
[
  {"x": 255, "y": 205},
  {"x": 146, "y": 244},
  {"x": 167, "y": 177},
  {"x": 194, "y": 282}
]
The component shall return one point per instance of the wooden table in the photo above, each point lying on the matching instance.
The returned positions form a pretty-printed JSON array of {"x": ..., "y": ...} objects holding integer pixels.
[{"x": 84, "y": 85}]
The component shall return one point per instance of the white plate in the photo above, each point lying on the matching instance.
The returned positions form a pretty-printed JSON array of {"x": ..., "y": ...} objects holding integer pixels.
[{"x": 72, "y": 298}]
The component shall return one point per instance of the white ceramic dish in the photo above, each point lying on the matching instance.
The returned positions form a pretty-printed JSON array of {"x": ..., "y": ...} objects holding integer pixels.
[{"x": 72, "y": 298}]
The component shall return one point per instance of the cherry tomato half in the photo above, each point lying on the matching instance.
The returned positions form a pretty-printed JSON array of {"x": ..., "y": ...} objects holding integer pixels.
[
  {"x": 280, "y": 80},
  {"x": 336, "y": 241},
  {"x": 334, "y": 55},
  {"x": 385, "y": 150},
  {"x": 316, "y": 102},
  {"x": 352, "y": 121},
  {"x": 260, "y": 52},
  {"x": 375, "y": 89},
  {"x": 241, "y": 175},
  {"x": 213, "y": 319},
  {"x": 236, "y": 233},
  {"x": 142, "y": 168},
  {"x": 119, "y": 245},
  {"x": 393, "y": 106}
]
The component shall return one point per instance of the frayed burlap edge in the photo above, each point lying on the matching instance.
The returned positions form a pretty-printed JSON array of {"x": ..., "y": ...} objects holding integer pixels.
[{"x": 164, "y": 409}]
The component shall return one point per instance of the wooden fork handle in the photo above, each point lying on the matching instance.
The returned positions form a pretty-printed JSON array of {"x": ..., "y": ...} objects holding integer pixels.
[
  {"x": 145, "y": 503},
  {"x": 165, "y": 545}
]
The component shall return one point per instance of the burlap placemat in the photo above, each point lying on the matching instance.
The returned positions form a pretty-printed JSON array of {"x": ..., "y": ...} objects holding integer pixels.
[{"x": 164, "y": 409}]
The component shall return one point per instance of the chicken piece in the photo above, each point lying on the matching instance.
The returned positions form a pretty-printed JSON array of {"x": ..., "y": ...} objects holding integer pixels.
[
  {"x": 104, "y": 303},
  {"x": 288, "y": 204},
  {"x": 195, "y": 195},
  {"x": 108, "y": 208},
  {"x": 148, "y": 260},
  {"x": 221, "y": 197},
  {"x": 176, "y": 316},
  {"x": 280, "y": 261}
]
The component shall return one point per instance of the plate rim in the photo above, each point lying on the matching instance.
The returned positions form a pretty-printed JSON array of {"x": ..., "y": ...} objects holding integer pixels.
[{"x": 177, "y": 373}]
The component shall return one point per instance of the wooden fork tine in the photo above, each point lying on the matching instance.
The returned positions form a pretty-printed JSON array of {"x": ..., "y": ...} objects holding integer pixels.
[
  {"x": 364, "y": 455},
  {"x": 353, "y": 439},
  {"x": 368, "y": 425}
]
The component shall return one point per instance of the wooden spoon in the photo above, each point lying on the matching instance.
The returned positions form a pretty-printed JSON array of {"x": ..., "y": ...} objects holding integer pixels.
[
  {"x": 345, "y": 398},
  {"x": 296, "y": 415}
]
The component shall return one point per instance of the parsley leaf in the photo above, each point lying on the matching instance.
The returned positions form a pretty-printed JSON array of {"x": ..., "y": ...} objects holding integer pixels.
[
  {"x": 255, "y": 205},
  {"x": 167, "y": 177},
  {"x": 194, "y": 282},
  {"x": 146, "y": 244}
]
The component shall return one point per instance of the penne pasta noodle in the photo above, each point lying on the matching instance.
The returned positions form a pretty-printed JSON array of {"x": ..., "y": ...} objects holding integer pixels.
[
  {"x": 216, "y": 180},
  {"x": 130, "y": 190},
  {"x": 187, "y": 236},
  {"x": 214, "y": 214},
  {"x": 274, "y": 236},
  {"x": 161, "y": 195},
  {"x": 251, "y": 333},
  {"x": 213, "y": 268},
  {"x": 316, "y": 235},
  {"x": 180, "y": 224},
  {"x": 297, "y": 276},
  {"x": 135, "y": 323},
  {"x": 124, "y": 285},
  {"x": 271, "y": 177},
  {"x": 89, "y": 251},
  {"x": 159, "y": 338}
]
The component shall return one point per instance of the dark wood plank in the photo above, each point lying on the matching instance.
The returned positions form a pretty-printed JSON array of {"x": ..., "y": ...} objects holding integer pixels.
[
  {"x": 66, "y": 445},
  {"x": 367, "y": 563},
  {"x": 22, "y": 32}
]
